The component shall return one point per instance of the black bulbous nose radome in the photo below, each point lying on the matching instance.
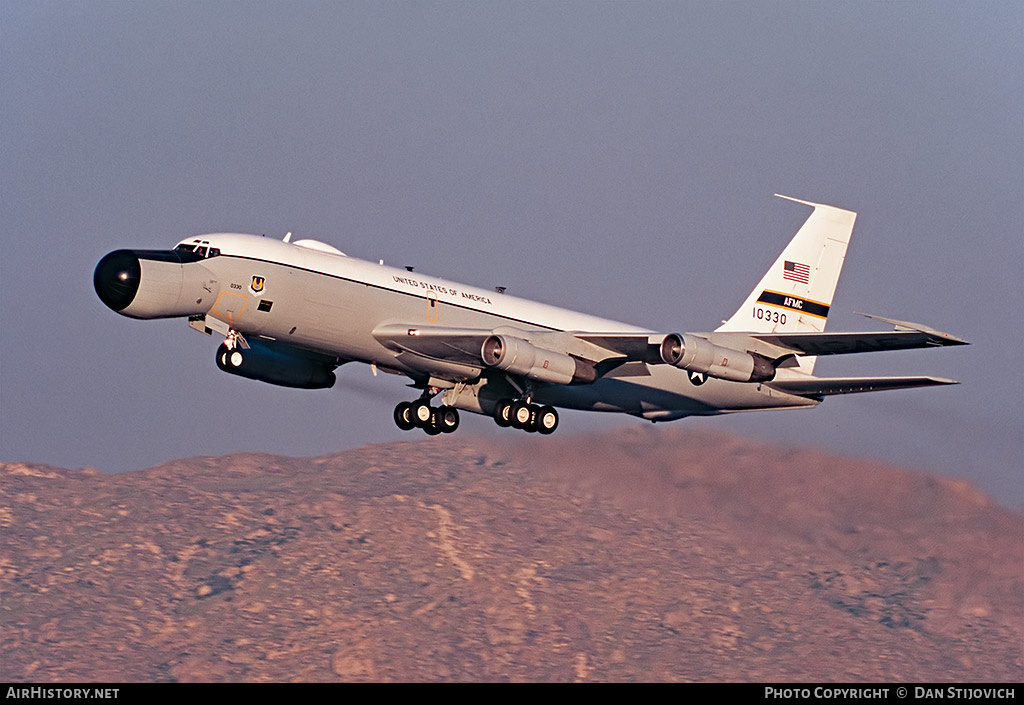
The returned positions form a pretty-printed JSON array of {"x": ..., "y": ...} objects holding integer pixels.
[{"x": 116, "y": 279}]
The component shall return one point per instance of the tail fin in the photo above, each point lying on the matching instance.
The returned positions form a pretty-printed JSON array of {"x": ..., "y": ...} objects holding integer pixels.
[{"x": 796, "y": 292}]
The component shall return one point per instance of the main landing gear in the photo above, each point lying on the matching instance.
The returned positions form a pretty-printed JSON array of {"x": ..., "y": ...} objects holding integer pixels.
[
  {"x": 432, "y": 419},
  {"x": 519, "y": 413},
  {"x": 526, "y": 415}
]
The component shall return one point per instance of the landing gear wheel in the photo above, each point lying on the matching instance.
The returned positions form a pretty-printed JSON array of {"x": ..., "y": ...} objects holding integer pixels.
[
  {"x": 403, "y": 416},
  {"x": 447, "y": 418},
  {"x": 503, "y": 413},
  {"x": 235, "y": 358},
  {"x": 531, "y": 425},
  {"x": 547, "y": 420},
  {"x": 433, "y": 426},
  {"x": 421, "y": 413},
  {"x": 222, "y": 357},
  {"x": 521, "y": 414}
]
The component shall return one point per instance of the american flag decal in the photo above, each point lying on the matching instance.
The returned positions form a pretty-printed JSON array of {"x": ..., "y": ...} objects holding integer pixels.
[{"x": 796, "y": 272}]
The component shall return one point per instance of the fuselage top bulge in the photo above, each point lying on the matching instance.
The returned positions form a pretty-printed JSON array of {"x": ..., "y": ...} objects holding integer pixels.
[{"x": 290, "y": 313}]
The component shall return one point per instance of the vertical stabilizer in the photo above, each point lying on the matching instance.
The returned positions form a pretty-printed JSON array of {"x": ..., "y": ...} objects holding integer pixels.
[{"x": 796, "y": 292}]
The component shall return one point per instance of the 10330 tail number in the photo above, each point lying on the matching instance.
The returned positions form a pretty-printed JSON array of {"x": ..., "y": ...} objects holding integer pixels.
[{"x": 766, "y": 314}]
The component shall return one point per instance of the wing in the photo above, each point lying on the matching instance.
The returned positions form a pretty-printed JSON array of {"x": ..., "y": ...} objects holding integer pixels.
[
  {"x": 631, "y": 347},
  {"x": 845, "y": 343},
  {"x": 432, "y": 349},
  {"x": 827, "y": 386},
  {"x": 456, "y": 345},
  {"x": 904, "y": 336}
]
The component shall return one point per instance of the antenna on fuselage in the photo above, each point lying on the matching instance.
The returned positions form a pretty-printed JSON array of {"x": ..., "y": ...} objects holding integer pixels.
[{"x": 288, "y": 237}]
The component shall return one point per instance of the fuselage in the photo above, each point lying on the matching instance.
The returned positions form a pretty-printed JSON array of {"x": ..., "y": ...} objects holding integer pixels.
[{"x": 312, "y": 297}]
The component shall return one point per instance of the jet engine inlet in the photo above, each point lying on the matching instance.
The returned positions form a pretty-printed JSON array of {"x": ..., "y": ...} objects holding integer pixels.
[
  {"x": 515, "y": 355},
  {"x": 700, "y": 355}
]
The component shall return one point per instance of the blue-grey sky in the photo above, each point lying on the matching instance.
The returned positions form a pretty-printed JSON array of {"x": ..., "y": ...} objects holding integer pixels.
[{"x": 617, "y": 158}]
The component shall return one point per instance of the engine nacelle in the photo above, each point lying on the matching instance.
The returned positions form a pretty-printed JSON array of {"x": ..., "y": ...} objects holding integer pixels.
[
  {"x": 515, "y": 355},
  {"x": 700, "y": 355},
  {"x": 276, "y": 364}
]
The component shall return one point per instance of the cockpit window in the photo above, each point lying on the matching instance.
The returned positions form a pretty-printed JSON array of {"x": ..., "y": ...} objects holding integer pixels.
[{"x": 200, "y": 250}]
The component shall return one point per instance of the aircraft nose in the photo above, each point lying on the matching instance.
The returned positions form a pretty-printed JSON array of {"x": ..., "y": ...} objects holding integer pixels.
[{"x": 116, "y": 278}]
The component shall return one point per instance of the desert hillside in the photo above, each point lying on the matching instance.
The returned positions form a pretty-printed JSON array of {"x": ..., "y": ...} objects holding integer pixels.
[{"x": 647, "y": 554}]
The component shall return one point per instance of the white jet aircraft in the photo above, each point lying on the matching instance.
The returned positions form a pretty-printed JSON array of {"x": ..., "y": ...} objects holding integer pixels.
[{"x": 292, "y": 312}]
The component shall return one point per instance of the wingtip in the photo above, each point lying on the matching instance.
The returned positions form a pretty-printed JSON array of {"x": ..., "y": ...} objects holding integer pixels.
[{"x": 944, "y": 338}]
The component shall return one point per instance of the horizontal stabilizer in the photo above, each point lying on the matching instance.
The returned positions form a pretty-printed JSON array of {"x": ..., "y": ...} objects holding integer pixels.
[{"x": 827, "y": 386}]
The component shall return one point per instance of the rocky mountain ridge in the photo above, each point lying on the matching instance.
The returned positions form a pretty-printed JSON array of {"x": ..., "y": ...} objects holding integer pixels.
[{"x": 644, "y": 554}]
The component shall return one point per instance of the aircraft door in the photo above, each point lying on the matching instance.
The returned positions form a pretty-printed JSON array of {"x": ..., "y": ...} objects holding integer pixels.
[
  {"x": 432, "y": 307},
  {"x": 229, "y": 307}
]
